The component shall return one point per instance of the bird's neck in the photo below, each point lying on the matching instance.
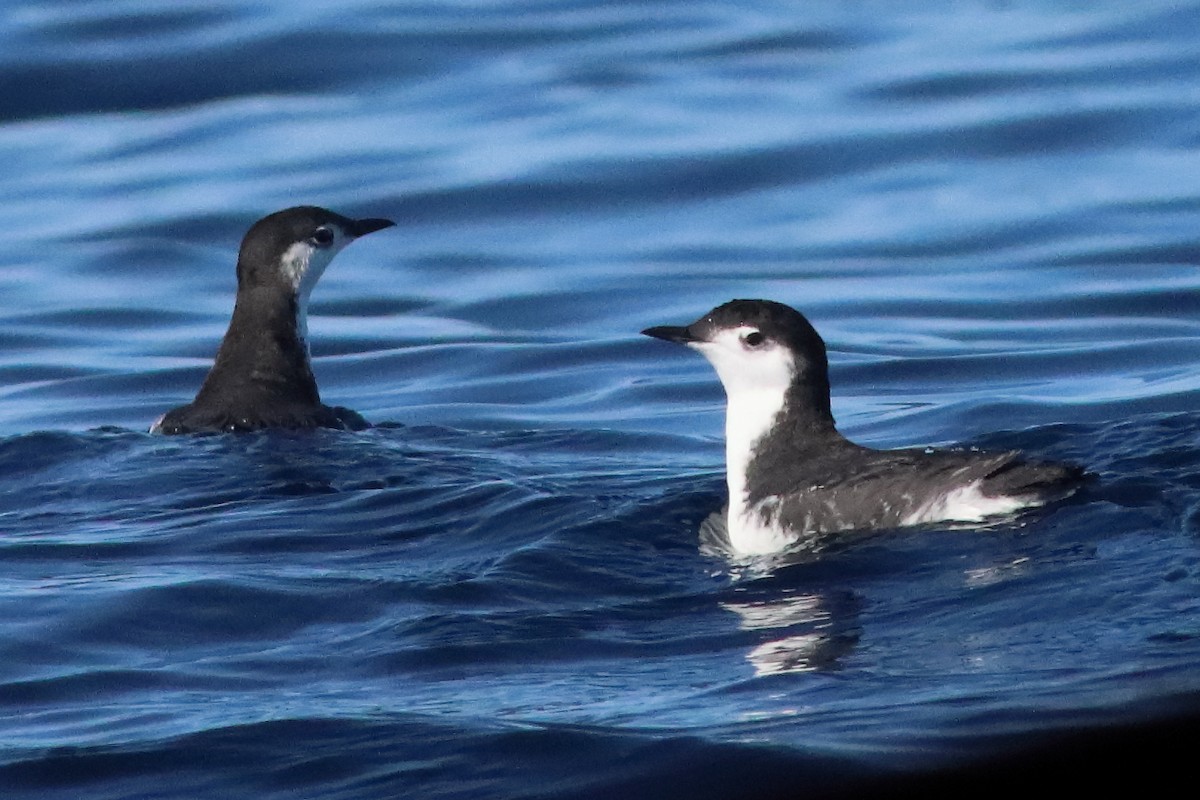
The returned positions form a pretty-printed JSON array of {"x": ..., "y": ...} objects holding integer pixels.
[
  {"x": 749, "y": 415},
  {"x": 264, "y": 352},
  {"x": 799, "y": 422}
]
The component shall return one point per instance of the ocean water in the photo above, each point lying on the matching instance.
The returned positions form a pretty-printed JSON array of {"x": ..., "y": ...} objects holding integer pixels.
[{"x": 989, "y": 209}]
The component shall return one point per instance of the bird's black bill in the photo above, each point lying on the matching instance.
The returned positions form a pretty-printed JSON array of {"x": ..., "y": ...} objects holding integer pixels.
[
  {"x": 362, "y": 227},
  {"x": 672, "y": 333}
]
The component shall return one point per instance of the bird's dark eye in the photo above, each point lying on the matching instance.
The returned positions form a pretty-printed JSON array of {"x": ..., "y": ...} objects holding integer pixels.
[
  {"x": 754, "y": 339},
  {"x": 323, "y": 236}
]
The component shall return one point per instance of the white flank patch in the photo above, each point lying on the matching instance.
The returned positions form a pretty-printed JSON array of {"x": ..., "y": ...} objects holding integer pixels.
[{"x": 967, "y": 504}]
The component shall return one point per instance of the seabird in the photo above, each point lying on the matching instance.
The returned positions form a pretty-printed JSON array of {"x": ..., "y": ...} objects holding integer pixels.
[
  {"x": 262, "y": 376},
  {"x": 791, "y": 474}
]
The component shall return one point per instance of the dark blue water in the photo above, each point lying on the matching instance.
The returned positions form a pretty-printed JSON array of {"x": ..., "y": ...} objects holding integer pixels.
[{"x": 989, "y": 210}]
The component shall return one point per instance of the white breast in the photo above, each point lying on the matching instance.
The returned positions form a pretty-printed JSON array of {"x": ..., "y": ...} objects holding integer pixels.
[{"x": 750, "y": 534}]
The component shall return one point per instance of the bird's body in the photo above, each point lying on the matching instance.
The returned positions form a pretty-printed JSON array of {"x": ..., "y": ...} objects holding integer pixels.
[
  {"x": 262, "y": 375},
  {"x": 790, "y": 472}
]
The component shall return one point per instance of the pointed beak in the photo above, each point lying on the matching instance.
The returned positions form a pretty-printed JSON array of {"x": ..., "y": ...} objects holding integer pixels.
[
  {"x": 361, "y": 227},
  {"x": 673, "y": 333}
]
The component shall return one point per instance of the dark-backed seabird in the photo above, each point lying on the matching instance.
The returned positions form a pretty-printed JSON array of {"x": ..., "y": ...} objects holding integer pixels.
[
  {"x": 791, "y": 473},
  {"x": 262, "y": 376}
]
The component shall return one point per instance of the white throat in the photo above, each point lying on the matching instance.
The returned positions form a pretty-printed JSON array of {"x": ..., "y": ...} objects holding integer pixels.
[
  {"x": 302, "y": 266},
  {"x": 755, "y": 384}
]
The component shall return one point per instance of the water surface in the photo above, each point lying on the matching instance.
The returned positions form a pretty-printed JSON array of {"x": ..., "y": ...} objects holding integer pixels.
[{"x": 988, "y": 210}]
